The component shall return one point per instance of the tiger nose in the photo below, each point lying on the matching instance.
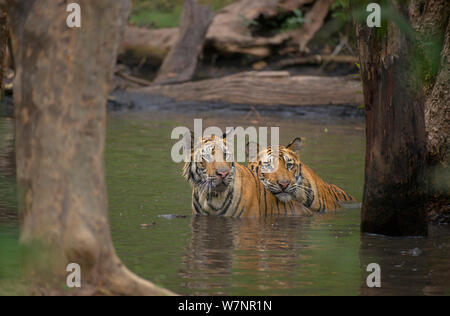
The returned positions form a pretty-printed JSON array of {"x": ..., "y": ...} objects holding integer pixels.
[
  {"x": 222, "y": 173},
  {"x": 283, "y": 184}
]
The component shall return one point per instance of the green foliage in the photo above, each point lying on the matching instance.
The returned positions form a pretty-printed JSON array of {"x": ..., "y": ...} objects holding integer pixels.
[
  {"x": 340, "y": 10},
  {"x": 156, "y": 14},
  {"x": 426, "y": 61},
  {"x": 340, "y": 4},
  {"x": 294, "y": 22},
  {"x": 165, "y": 13},
  {"x": 338, "y": 26},
  {"x": 216, "y": 5}
]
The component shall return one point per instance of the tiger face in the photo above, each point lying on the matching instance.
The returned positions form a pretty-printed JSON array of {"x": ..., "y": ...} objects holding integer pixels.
[
  {"x": 280, "y": 172},
  {"x": 211, "y": 169}
]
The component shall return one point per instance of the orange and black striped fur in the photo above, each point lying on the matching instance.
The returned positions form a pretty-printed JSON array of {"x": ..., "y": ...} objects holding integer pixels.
[
  {"x": 223, "y": 187},
  {"x": 292, "y": 179}
]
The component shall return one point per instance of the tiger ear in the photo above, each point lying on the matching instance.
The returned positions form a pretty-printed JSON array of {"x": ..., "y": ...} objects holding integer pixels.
[
  {"x": 251, "y": 151},
  {"x": 295, "y": 145}
]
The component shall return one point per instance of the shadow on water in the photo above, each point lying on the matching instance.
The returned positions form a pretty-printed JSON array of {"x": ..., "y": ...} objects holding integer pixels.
[{"x": 409, "y": 266}]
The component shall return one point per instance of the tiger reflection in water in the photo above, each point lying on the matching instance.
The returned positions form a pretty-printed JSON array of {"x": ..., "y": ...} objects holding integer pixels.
[{"x": 268, "y": 250}]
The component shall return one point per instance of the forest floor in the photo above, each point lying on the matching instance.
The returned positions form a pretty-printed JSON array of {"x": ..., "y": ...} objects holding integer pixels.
[{"x": 254, "y": 46}]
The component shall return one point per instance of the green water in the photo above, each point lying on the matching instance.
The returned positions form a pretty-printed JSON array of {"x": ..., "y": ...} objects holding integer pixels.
[
  {"x": 321, "y": 255},
  {"x": 9, "y": 231}
]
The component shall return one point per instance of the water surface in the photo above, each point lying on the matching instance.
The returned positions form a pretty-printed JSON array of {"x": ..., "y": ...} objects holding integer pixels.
[{"x": 320, "y": 255}]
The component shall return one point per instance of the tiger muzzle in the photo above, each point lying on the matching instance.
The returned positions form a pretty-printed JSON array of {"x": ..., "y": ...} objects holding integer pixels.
[{"x": 222, "y": 179}]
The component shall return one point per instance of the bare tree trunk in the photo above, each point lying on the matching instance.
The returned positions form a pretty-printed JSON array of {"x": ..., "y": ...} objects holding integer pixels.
[
  {"x": 181, "y": 62},
  {"x": 60, "y": 95},
  {"x": 3, "y": 46},
  {"x": 394, "y": 192},
  {"x": 431, "y": 20}
]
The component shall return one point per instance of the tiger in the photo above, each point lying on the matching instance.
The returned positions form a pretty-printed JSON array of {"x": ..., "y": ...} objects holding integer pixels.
[
  {"x": 223, "y": 187},
  {"x": 293, "y": 180}
]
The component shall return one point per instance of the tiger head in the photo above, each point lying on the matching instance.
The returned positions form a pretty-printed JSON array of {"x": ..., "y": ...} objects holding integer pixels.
[
  {"x": 280, "y": 172},
  {"x": 211, "y": 168}
]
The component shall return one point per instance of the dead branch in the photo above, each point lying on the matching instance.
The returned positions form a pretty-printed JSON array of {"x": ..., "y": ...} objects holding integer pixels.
[
  {"x": 181, "y": 62},
  {"x": 315, "y": 17},
  {"x": 139, "y": 81}
]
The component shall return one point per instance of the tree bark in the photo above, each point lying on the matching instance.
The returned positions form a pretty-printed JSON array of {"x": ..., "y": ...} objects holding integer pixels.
[
  {"x": 3, "y": 46},
  {"x": 317, "y": 59},
  {"x": 181, "y": 62},
  {"x": 395, "y": 194},
  {"x": 60, "y": 95},
  {"x": 431, "y": 21},
  {"x": 437, "y": 110}
]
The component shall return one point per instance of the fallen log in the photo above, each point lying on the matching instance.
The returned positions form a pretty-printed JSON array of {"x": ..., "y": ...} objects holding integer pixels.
[
  {"x": 265, "y": 88},
  {"x": 230, "y": 31},
  {"x": 132, "y": 79},
  {"x": 317, "y": 59}
]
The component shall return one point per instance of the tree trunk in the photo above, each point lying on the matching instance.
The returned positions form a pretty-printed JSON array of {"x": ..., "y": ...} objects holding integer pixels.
[
  {"x": 3, "y": 46},
  {"x": 181, "y": 62},
  {"x": 437, "y": 110},
  {"x": 431, "y": 20},
  {"x": 394, "y": 198},
  {"x": 60, "y": 95}
]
